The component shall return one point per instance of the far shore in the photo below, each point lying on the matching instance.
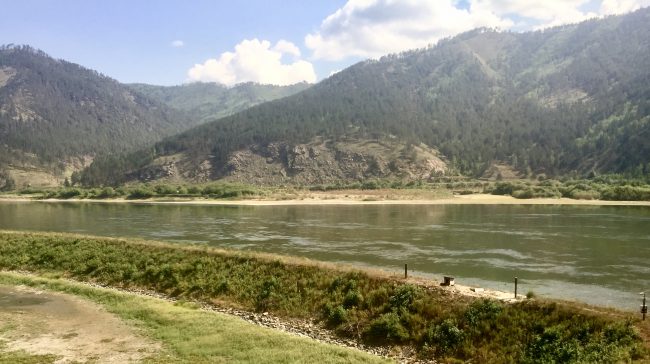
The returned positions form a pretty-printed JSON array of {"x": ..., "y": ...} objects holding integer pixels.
[{"x": 349, "y": 198}]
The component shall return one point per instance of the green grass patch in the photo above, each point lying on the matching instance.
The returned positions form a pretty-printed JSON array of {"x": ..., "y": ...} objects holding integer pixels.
[
  {"x": 356, "y": 304},
  {"x": 190, "y": 335}
]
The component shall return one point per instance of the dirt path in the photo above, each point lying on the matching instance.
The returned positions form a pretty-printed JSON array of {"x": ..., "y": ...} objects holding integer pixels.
[{"x": 73, "y": 329}]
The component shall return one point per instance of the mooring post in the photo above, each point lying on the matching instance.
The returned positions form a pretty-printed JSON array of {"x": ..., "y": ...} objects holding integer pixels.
[
  {"x": 644, "y": 308},
  {"x": 406, "y": 271},
  {"x": 515, "y": 287}
]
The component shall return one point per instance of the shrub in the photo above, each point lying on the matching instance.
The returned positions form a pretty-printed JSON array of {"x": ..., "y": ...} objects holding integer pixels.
[
  {"x": 165, "y": 190},
  {"x": 523, "y": 194},
  {"x": 584, "y": 195},
  {"x": 106, "y": 192},
  {"x": 551, "y": 347},
  {"x": 387, "y": 328},
  {"x": 335, "y": 316},
  {"x": 352, "y": 298},
  {"x": 403, "y": 297},
  {"x": 140, "y": 193},
  {"x": 445, "y": 336},
  {"x": 69, "y": 193},
  {"x": 194, "y": 190},
  {"x": 482, "y": 310},
  {"x": 267, "y": 294},
  {"x": 370, "y": 185}
]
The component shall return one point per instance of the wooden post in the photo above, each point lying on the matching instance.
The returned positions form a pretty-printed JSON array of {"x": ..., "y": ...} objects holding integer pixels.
[
  {"x": 515, "y": 287},
  {"x": 406, "y": 271},
  {"x": 644, "y": 308}
]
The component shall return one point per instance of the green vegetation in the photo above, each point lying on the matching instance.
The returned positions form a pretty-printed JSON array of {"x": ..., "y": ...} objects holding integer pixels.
[
  {"x": 565, "y": 100},
  {"x": 24, "y": 358},
  {"x": 189, "y": 335},
  {"x": 608, "y": 187},
  {"x": 209, "y": 101},
  {"x": 72, "y": 112},
  {"x": 375, "y": 309},
  {"x": 159, "y": 190}
]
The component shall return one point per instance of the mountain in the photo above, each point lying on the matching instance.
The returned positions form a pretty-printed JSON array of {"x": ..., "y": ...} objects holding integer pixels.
[
  {"x": 568, "y": 100},
  {"x": 56, "y": 116},
  {"x": 209, "y": 101}
]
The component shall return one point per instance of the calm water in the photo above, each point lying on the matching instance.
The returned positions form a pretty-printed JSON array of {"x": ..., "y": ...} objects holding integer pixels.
[{"x": 594, "y": 254}]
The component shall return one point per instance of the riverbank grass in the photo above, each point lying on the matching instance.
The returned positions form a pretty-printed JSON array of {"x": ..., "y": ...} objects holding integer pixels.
[
  {"x": 361, "y": 305},
  {"x": 189, "y": 334}
]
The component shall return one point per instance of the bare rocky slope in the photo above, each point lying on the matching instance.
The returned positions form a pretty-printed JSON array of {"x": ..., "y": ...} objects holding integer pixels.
[{"x": 317, "y": 162}]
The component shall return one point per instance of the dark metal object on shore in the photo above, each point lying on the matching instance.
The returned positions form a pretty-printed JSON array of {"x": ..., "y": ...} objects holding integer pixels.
[
  {"x": 644, "y": 307},
  {"x": 406, "y": 271},
  {"x": 448, "y": 281},
  {"x": 515, "y": 287}
]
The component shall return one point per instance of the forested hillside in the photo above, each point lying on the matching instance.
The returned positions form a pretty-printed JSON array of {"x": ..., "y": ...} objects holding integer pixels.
[
  {"x": 568, "y": 100},
  {"x": 208, "y": 101},
  {"x": 56, "y": 115}
]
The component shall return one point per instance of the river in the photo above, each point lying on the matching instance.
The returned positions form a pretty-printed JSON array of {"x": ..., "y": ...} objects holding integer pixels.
[{"x": 594, "y": 254}]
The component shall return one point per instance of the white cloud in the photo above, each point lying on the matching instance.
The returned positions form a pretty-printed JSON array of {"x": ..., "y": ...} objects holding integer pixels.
[
  {"x": 286, "y": 47},
  {"x": 177, "y": 43},
  {"x": 255, "y": 61},
  {"x": 371, "y": 28},
  {"x": 608, "y": 7},
  {"x": 543, "y": 14}
]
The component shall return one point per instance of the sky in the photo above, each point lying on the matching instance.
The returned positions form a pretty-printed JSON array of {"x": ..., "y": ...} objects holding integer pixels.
[{"x": 167, "y": 42}]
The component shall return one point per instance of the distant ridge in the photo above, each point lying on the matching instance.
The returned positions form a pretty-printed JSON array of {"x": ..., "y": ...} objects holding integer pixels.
[
  {"x": 57, "y": 116},
  {"x": 571, "y": 100}
]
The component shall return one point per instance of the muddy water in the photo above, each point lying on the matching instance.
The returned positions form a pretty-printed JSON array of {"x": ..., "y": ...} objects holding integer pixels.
[{"x": 595, "y": 254}]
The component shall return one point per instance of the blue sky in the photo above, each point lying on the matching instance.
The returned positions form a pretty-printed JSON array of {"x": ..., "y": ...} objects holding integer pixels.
[{"x": 278, "y": 42}]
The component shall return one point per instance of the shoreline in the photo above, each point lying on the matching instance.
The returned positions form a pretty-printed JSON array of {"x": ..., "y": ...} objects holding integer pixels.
[{"x": 348, "y": 200}]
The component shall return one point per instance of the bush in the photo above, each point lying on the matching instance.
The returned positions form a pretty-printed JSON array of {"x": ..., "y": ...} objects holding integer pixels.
[
  {"x": 523, "y": 194},
  {"x": 69, "y": 193},
  {"x": 445, "y": 336},
  {"x": 267, "y": 294},
  {"x": 482, "y": 310},
  {"x": 387, "y": 328},
  {"x": 140, "y": 193},
  {"x": 165, "y": 190},
  {"x": 370, "y": 185},
  {"x": 194, "y": 190},
  {"x": 584, "y": 195},
  {"x": 335, "y": 316},
  {"x": 352, "y": 298},
  {"x": 403, "y": 297},
  {"x": 106, "y": 192},
  {"x": 626, "y": 193}
]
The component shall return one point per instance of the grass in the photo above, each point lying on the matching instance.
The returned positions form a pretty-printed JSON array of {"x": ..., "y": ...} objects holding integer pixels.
[
  {"x": 191, "y": 335},
  {"x": 371, "y": 308}
]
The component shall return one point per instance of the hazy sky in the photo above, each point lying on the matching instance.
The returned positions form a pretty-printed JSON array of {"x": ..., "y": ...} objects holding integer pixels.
[{"x": 278, "y": 42}]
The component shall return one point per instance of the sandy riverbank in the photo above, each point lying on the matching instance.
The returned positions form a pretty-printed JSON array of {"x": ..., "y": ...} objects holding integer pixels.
[{"x": 359, "y": 198}]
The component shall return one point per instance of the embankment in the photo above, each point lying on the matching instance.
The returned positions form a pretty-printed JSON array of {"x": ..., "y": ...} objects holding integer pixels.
[{"x": 372, "y": 308}]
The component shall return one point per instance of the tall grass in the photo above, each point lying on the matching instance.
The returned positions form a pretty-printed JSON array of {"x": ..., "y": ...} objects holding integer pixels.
[{"x": 356, "y": 304}]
